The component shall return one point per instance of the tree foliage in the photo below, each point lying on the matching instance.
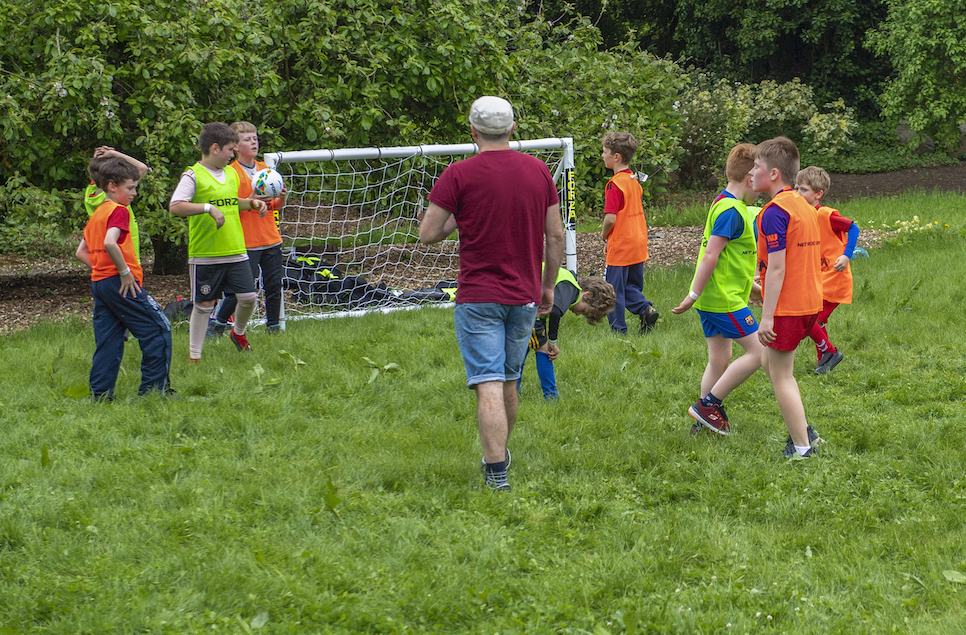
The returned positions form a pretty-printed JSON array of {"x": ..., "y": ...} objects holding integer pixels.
[
  {"x": 144, "y": 76},
  {"x": 926, "y": 40},
  {"x": 752, "y": 40}
]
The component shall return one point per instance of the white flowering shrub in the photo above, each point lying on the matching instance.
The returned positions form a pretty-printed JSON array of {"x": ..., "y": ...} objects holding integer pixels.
[{"x": 718, "y": 114}]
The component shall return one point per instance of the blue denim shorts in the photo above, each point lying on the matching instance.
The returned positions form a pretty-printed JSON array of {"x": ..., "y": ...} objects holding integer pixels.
[{"x": 493, "y": 340}]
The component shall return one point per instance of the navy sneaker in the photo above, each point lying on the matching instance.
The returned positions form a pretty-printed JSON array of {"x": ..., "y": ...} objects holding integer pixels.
[
  {"x": 828, "y": 362},
  {"x": 813, "y": 440},
  {"x": 215, "y": 328}
]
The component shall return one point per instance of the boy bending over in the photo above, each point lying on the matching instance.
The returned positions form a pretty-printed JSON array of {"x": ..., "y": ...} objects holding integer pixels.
[{"x": 592, "y": 297}]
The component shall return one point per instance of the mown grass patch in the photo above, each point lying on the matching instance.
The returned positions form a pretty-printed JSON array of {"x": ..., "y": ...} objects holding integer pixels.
[{"x": 327, "y": 502}]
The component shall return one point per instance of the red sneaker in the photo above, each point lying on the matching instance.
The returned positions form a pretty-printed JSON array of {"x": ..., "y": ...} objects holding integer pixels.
[
  {"x": 240, "y": 342},
  {"x": 712, "y": 417}
]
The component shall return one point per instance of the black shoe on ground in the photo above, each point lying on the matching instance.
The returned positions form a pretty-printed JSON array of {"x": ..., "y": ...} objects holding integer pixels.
[
  {"x": 496, "y": 481},
  {"x": 813, "y": 440},
  {"x": 215, "y": 328},
  {"x": 790, "y": 453},
  {"x": 828, "y": 362},
  {"x": 648, "y": 319}
]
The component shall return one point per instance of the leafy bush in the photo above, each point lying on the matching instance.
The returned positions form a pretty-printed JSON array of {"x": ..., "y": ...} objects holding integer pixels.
[
  {"x": 33, "y": 221},
  {"x": 144, "y": 76},
  {"x": 718, "y": 114},
  {"x": 874, "y": 147}
]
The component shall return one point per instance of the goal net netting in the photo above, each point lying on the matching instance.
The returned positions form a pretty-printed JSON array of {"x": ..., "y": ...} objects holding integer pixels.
[{"x": 350, "y": 226}]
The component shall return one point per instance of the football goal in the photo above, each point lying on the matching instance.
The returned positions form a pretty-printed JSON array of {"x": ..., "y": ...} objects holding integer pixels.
[{"x": 350, "y": 226}]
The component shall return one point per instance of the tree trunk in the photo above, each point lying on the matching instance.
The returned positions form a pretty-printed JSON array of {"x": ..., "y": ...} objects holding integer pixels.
[{"x": 169, "y": 258}]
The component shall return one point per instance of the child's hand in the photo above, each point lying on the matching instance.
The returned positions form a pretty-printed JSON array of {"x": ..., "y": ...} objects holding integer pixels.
[
  {"x": 102, "y": 151},
  {"x": 553, "y": 351},
  {"x": 756, "y": 297},
  {"x": 841, "y": 263},
  {"x": 686, "y": 304},
  {"x": 129, "y": 283},
  {"x": 766, "y": 331},
  {"x": 217, "y": 216},
  {"x": 259, "y": 205}
]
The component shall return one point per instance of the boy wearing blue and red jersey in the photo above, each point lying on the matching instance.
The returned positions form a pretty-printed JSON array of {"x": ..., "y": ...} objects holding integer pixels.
[
  {"x": 839, "y": 236},
  {"x": 722, "y": 287},
  {"x": 789, "y": 265},
  {"x": 120, "y": 302},
  {"x": 625, "y": 234}
]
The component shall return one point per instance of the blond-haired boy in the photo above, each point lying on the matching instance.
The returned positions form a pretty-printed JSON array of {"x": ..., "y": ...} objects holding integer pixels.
[
  {"x": 839, "y": 236},
  {"x": 789, "y": 264},
  {"x": 723, "y": 283}
]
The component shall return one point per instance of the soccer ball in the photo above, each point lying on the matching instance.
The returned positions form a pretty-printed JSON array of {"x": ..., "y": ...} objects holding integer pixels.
[{"x": 267, "y": 182}]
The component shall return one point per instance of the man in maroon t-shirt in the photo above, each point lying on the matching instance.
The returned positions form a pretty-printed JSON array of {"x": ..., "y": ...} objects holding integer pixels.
[{"x": 506, "y": 208}]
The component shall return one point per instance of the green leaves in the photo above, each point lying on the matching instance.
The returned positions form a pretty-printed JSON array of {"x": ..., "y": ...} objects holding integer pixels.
[{"x": 376, "y": 369}]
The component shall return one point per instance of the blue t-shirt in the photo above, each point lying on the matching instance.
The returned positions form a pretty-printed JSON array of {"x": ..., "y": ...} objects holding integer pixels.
[{"x": 774, "y": 223}]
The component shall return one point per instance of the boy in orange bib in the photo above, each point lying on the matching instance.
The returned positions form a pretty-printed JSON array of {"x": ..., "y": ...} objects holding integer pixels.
[
  {"x": 789, "y": 265},
  {"x": 120, "y": 302},
  {"x": 839, "y": 235},
  {"x": 262, "y": 238}
]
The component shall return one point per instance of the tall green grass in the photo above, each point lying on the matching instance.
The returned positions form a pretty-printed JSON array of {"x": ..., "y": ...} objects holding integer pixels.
[{"x": 281, "y": 497}]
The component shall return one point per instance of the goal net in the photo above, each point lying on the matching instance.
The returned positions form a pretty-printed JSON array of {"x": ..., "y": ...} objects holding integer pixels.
[{"x": 350, "y": 226}]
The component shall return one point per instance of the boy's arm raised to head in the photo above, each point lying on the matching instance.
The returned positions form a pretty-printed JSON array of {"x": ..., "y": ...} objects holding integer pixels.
[
  {"x": 142, "y": 168},
  {"x": 709, "y": 261}
]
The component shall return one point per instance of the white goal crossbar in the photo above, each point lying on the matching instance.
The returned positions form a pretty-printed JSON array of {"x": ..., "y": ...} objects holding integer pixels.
[{"x": 377, "y": 196}]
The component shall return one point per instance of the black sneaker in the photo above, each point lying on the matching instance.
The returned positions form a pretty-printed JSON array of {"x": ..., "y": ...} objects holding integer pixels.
[
  {"x": 813, "y": 440},
  {"x": 215, "y": 328},
  {"x": 795, "y": 455},
  {"x": 648, "y": 319},
  {"x": 496, "y": 481},
  {"x": 828, "y": 362}
]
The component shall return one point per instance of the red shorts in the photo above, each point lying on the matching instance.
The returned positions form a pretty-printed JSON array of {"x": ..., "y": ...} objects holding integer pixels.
[
  {"x": 827, "y": 308},
  {"x": 790, "y": 330}
]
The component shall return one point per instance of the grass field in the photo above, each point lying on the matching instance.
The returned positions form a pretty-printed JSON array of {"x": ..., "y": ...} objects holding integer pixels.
[{"x": 339, "y": 496}]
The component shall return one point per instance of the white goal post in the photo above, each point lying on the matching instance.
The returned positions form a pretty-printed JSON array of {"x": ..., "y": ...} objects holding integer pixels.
[{"x": 350, "y": 225}]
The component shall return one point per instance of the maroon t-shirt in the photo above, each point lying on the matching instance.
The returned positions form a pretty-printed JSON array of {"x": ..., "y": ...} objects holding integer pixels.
[{"x": 500, "y": 200}]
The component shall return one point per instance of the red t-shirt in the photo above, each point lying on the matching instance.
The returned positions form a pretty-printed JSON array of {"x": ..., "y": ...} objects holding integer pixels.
[{"x": 500, "y": 200}]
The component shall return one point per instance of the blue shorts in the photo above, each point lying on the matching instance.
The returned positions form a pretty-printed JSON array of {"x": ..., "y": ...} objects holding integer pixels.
[
  {"x": 732, "y": 326},
  {"x": 493, "y": 340}
]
